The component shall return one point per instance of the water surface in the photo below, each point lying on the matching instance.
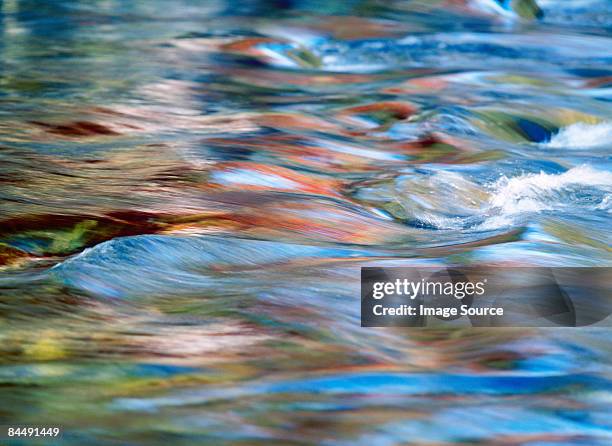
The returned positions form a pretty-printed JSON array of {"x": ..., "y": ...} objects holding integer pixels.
[{"x": 188, "y": 190}]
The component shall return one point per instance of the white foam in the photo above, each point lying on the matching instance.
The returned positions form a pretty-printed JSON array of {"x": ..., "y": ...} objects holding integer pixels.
[
  {"x": 539, "y": 192},
  {"x": 582, "y": 136},
  {"x": 492, "y": 7},
  {"x": 606, "y": 204},
  {"x": 447, "y": 200}
]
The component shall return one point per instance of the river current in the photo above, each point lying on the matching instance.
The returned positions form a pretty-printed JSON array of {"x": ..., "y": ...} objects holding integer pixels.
[{"x": 189, "y": 189}]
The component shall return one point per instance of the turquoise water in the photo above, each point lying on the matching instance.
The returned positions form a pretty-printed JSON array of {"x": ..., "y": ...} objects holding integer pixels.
[{"x": 189, "y": 189}]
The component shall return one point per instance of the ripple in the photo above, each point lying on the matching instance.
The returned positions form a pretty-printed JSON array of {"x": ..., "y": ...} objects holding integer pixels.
[
  {"x": 459, "y": 51},
  {"x": 379, "y": 384}
]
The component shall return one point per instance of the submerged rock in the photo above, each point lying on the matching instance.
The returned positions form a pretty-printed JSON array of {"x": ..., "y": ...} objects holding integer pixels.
[{"x": 527, "y": 9}]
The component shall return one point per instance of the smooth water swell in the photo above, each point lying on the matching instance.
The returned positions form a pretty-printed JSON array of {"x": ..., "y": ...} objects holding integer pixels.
[{"x": 188, "y": 191}]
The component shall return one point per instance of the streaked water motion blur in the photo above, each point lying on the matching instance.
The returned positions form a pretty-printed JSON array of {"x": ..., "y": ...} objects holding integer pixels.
[{"x": 188, "y": 190}]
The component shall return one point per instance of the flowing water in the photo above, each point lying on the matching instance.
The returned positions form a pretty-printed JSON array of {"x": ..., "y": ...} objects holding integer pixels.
[{"x": 188, "y": 190}]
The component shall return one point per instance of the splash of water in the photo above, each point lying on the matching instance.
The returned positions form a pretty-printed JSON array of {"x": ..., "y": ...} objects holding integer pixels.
[{"x": 582, "y": 136}]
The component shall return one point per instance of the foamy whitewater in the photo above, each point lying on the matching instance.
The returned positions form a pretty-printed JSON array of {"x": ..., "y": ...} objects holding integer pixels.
[
  {"x": 538, "y": 192},
  {"x": 500, "y": 203},
  {"x": 582, "y": 136}
]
